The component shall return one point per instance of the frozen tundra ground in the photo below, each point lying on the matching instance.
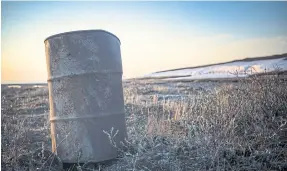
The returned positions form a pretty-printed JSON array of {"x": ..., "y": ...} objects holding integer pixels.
[{"x": 172, "y": 126}]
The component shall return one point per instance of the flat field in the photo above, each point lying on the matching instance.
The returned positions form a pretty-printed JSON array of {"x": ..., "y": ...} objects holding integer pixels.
[{"x": 172, "y": 126}]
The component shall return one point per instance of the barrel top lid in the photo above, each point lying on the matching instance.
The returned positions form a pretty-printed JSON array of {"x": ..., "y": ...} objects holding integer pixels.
[{"x": 72, "y": 32}]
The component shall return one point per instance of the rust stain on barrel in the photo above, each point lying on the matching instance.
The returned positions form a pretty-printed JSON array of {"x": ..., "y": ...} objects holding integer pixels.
[{"x": 85, "y": 94}]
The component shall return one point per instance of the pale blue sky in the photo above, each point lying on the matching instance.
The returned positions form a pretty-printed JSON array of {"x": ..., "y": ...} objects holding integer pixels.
[{"x": 164, "y": 35}]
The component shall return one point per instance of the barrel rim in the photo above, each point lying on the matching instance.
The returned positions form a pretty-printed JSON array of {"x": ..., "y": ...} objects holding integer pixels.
[{"x": 77, "y": 31}]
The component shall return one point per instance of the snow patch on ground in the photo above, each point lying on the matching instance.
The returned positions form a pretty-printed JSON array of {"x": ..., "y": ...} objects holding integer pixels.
[
  {"x": 228, "y": 70},
  {"x": 38, "y": 86},
  {"x": 14, "y": 86}
]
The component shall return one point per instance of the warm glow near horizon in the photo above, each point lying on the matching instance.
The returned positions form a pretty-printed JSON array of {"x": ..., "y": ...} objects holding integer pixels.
[{"x": 154, "y": 36}]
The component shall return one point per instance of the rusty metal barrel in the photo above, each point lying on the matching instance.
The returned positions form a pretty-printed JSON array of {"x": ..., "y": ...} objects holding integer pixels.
[{"x": 85, "y": 95}]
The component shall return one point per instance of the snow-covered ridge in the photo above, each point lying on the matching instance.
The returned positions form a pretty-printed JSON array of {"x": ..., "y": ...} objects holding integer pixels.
[{"x": 226, "y": 70}]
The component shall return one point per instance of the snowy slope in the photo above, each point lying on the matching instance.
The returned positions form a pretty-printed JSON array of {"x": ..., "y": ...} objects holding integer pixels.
[{"x": 226, "y": 70}]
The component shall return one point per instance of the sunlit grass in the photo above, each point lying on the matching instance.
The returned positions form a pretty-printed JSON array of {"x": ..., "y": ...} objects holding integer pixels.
[{"x": 230, "y": 126}]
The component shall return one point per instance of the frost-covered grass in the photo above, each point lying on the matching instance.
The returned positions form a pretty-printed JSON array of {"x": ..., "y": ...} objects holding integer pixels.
[{"x": 230, "y": 126}]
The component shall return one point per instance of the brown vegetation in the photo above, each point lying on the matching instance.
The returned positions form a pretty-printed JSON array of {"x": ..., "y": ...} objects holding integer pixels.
[{"x": 171, "y": 126}]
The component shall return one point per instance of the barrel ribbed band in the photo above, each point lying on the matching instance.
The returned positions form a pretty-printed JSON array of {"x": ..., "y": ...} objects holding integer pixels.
[
  {"x": 69, "y": 118},
  {"x": 85, "y": 73}
]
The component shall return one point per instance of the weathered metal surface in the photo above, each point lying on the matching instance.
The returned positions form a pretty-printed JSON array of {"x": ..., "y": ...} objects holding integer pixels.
[{"x": 85, "y": 94}]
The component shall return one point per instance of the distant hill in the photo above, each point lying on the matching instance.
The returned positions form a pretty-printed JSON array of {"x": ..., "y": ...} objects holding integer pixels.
[
  {"x": 239, "y": 60},
  {"x": 237, "y": 68}
]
